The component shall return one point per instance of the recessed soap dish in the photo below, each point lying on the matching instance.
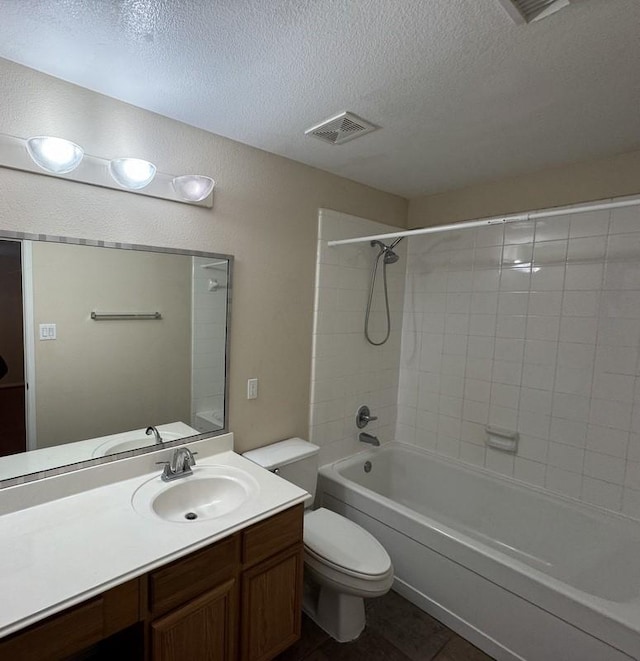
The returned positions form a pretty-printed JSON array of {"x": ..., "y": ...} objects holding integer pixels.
[{"x": 502, "y": 439}]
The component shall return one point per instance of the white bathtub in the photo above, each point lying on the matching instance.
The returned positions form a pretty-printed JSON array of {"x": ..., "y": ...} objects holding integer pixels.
[{"x": 520, "y": 573}]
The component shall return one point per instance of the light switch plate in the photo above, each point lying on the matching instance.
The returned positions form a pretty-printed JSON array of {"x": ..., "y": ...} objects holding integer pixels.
[
  {"x": 252, "y": 389},
  {"x": 47, "y": 331}
]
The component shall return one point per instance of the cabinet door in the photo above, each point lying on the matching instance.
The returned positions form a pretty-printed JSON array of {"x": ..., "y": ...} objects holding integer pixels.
[
  {"x": 271, "y": 605},
  {"x": 202, "y": 630}
]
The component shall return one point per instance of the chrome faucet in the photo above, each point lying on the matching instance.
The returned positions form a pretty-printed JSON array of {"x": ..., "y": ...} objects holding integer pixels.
[
  {"x": 179, "y": 465},
  {"x": 364, "y": 417},
  {"x": 155, "y": 432},
  {"x": 368, "y": 438}
]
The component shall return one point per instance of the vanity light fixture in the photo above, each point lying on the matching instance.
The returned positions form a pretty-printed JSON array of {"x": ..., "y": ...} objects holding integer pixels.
[
  {"x": 60, "y": 158},
  {"x": 55, "y": 155},
  {"x": 193, "y": 187},
  {"x": 134, "y": 173}
]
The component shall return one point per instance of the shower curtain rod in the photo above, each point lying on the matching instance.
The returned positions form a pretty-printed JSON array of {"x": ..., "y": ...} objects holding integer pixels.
[{"x": 497, "y": 220}]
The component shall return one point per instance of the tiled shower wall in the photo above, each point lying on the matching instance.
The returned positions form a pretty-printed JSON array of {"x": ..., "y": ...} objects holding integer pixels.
[
  {"x": 533, "y": 327},
  {"x": 347, "y": 371}
]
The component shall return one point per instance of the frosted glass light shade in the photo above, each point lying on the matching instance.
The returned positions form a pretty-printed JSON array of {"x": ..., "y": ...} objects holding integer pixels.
[
  {"x": 193, "y": 187},
  {"x": 54, "y": 155},
  {"x": 133, "y": 173}
]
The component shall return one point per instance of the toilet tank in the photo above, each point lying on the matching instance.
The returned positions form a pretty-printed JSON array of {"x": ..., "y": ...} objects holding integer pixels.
[{"x": 295, "y": 460}]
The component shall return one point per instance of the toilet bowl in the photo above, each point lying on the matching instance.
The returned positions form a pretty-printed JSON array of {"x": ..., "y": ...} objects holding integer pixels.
[
  {"x": 344, "y": 563},
  {"x": 347, "y": 564}
]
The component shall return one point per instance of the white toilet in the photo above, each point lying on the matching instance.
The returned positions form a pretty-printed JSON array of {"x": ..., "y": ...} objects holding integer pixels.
[{"x": 344, "y": 563}]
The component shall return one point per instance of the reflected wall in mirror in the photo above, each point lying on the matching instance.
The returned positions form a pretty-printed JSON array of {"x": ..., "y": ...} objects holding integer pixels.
[{"x": 100, "y": 342}]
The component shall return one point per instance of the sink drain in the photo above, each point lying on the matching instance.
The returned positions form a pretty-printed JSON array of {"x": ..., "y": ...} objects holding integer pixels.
[{"x": 190, "y": 516}]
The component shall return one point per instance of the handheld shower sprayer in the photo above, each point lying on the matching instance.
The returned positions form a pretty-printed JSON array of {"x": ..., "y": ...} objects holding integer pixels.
[{"x": 388, "y": 257}]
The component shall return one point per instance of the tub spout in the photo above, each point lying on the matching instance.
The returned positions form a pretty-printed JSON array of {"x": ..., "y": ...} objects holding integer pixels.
[{"x": 368, "y": 438}]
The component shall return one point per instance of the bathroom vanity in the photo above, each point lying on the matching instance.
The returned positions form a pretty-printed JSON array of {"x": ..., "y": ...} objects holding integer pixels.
[{"x": 143, "y": 587}]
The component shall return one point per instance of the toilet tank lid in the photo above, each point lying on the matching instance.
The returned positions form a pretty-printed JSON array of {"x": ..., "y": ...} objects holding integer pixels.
[{"x": 281, "y": 453}]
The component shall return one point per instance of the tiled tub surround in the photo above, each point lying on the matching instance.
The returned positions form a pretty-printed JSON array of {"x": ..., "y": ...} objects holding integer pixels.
[
  {"x": 533, "y": 327},
  {"x": 347, "y": 371}
]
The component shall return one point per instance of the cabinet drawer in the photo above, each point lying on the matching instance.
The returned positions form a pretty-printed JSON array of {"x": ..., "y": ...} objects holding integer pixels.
[
  {"x": 77, "y": 628},
  {"x": 189, "y": 577},
  {"x": 272, "y": 535},
  {"x": 59, "y": 636}
]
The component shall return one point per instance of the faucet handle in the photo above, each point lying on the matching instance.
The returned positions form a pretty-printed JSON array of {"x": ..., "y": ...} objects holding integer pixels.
[{"x": 364, "y": 417}]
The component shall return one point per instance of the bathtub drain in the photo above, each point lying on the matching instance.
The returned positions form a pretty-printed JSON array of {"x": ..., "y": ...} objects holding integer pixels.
[
  {"x": 190, "y": 516},
  {"x": 367, "y": 466}
]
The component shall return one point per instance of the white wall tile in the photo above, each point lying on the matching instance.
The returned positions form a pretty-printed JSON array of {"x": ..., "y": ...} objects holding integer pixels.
[
  {"x": 623, "y": 246},
  {"x": 533, "y": 448},
  {"x": 489, "y": 236},
  {"x": 550, "y": 253},
  {"x": 567, "y": 457},
  {"x": 602, "y": 494},
  {"x": 550, "y": 229},
  {"x": 499, "y": 462},
  {"x": 543, "y": 328},
  {"x": 563, "y": 481},
  {"x": 540, "y": 352},
  {"x": 631, "y": 502},
  {"x": 587, "y": 250},
  {"x": 535, "y": 400},
  {"x": 538, "y": 376},
  {"x": 605, "y": 440},
  {"x": 594, "y": 223},
  {"x": 604, "y": 467},
  {"x": 532, "y": 472},
  {"x": 625, "y": 219},
  {"x": 472, "y": 454},
  {"x": 581, "y": 303},
  {"x": 534, "y": 424},
  {"x": 545, "y": 303},
  {"x": 551, "y": 350},
  {"x": 518, "y": 232},
  {"x": 584, "y": 276},
  {"x": 569, "y": 432},
  {"x": 548, "y": 278},
  {"x": 511, "y": 349},
  {"x": 570, "y": 407}
]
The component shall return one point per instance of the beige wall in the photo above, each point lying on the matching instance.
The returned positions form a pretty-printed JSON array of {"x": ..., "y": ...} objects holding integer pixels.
[
  {"x": 106, "y": 377},
  {"x": 265, "y": 213},
  {"x": 579, "y": 182}
]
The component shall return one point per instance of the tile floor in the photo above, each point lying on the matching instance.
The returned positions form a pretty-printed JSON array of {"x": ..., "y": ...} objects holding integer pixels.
[{"x": 396, "y": 631}]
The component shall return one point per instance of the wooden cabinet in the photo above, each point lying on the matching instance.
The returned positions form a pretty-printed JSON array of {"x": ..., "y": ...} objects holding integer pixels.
[
  {"x": 205, "y": 628},
  {"x": 239, "y": 598},
  {"x": 272, "y": 553},
  {"x": 271, "y": 606}
]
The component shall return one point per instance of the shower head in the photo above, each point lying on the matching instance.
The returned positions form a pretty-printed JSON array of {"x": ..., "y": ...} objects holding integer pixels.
[{"x": 390, "y": 257}]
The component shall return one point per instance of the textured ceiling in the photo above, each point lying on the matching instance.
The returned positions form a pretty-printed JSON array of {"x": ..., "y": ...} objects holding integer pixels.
[{"x": 462, "y": 93}]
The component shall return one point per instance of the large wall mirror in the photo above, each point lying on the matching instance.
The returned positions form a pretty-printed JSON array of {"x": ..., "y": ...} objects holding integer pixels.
[{"x": 107, "y": 348}]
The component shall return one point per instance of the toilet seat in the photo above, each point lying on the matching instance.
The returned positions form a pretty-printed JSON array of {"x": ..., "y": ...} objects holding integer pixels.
[{"x": 332, "y": 541}]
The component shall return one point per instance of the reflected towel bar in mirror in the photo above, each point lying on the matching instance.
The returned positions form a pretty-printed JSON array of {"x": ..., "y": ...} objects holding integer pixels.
[{"x": 96, "y": 316}]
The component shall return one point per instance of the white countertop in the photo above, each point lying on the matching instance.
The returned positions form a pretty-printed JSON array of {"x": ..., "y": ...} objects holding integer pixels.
[{"x": 57, "y": 553}]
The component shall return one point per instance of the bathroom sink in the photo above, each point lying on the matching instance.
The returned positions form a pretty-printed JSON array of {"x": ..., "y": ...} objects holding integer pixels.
[
  {"x": 210, "y": 492},
  {"x": 139, "y": 441}
]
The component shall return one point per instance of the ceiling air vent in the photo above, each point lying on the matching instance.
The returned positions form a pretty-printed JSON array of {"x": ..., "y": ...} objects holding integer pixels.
[
  {"x": 341, "y": 128},
  {"x": 526, "y": 11}
]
